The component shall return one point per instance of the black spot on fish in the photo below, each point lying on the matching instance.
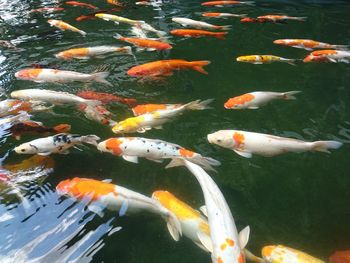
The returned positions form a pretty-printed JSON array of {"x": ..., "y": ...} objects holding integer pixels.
[
  {"x": 33, "y": 146},
  {"x": 148, "y": 150}
]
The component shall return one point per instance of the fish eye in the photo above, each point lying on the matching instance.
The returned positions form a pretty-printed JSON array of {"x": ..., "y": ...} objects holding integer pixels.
[
  {"x": 23, "y": 150},
  {"x": 219, "y": 140}
]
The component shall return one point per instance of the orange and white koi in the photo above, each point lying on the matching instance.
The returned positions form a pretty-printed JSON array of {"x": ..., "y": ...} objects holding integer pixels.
[
  {"x": 148, "y": 44},
  {"x": 264, "y": 59},
  {"x": 97, "y": 113},
  {"x": 166, "y": 67},
  {"x": 92, "y": 52},
  {"x": 65, "y": 26},
  {"x": 254, "y": 100},
  {"x": 47, "y": 9},
  {"x": 198, "y": 33},
  {"x": 194, "y": 226},
  {"x": 340, "y": 257},
  {"x": 114, "y": 2},
  {"x": 106, "y": 97},
  {"x": 75, "y": 3},
  {"x": 131, "y": 148},
  {"x": 197, "y": 24},
  {"x": 328, "y": 55},
  {"x": 148, "y": 108},
  {"x": 10, "y": 107},
  {"x": 155, "y": 119},
  {"x": 254, "y": 20},
  {"x": 116, "y": 198},
  {"x": 278, "y": 18},
  {"x": 282, "y": 254},
  {"x": 59, "y": 143},
  {"x": 119, "y": 19},
  {"x": 227, "y": 244},
  {"x": 42, "y": 75},
  {"x": 248, "y": 143},
  {"x": 223, "y": 15},
  {"x": 307, "y": 44},
  {"x": 228, "y": 2}
]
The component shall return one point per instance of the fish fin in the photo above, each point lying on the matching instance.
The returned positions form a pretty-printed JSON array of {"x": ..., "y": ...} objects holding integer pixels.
[
  {"x": 201, "y": 246},
  {"x": 124, "y": 208},
  {"x": 101, "y": 78},
  {"x": 158, "y": 127},
  {"x": 132, "y": 159},
  {"x": 220, "y": 35},
  {"x": 291, "y": 62},
  {"x": 83, "y": 33},
  {"x": 251, "y": 3},
  {"x": 198, "y": 66},
  {"x": 90, "y": 139},
  {"x": 151, "y": 49},
  {"x": 127, "y": 50},
  {"x": 253, "y": 107},
  {"x": 341, "y": 47},
  {"x": 199, "y": 105},
  {"x": 17, "y": 137},
  {"x": 155, "y": 160},
  {"x": 303, "y": 19},
  {"x": 308, "y": 49},
  {"x": 96, "y": 208},
  {"x": 227, "y": 27},
  {"x": 173, "y": 225},
  {"x": 174, "y": 163},
  {"x": 44, "y": 153},
  {"x": 205, "y": 162},
  {"x": 243, "y": 237},
  {"x": 205, "y": 240},
  {"x": 324, "y": 146},
  {"x": 204, "y": 210},
  {"x": 107, "y": 180},
  {"x": 118, "y": 36},
  {"x": 257, "y": 63},
  {"x": 141, "y": 130},
  {"x": 289, "y": 95},
  {"x": 243, "y": 154},
  {"x": 115, "y": 22},
  {"x": 252, "y": 258},
  {"x": 140, "y": 49},
  {"x": 65, "y": 152}
]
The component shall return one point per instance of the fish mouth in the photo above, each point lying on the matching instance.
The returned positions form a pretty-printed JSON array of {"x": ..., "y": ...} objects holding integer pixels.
[
  {"x": 101, "y": 146},
  {"x": 210, "y": 138}
]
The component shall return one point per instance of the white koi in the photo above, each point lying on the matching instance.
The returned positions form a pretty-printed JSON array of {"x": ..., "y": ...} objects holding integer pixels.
[
  {"x": 197, "y": 24},
  {"x": 92, "y": 52}
]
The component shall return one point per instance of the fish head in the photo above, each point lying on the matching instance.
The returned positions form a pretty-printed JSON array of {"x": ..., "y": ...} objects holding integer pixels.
[
  {"x": 245, "y": 59},
  {"x": 267, "y": 252},
  {"x": 53, "y": 22},
  {"x": 313, "y": 58},
  {"x": 221, "y": 138},
  {"x": 137, "y": 71},
  {"x": 248, "y": 20},
  {"x": 64, "y": 187},
  {"x": 279, "y": 42},
  {"x": 26, "y": 148},
  {"x": 27, "y": 74},
  {"x": 239, "y": 101},
  {"x": 112, "y": 145},
  {"x": 128, "y": 125}
]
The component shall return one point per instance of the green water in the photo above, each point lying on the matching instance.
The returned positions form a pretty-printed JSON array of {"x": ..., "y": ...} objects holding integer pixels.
[{"x": 299, "y": 200}]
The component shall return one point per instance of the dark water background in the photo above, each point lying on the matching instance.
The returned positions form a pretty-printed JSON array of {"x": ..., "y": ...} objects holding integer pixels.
[{"x": 299, "y": 200}]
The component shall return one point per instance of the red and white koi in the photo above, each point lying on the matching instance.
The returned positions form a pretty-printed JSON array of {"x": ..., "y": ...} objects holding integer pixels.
[
  {"x": 328, "y": 55},
  {"x": 131, "y": 148},
  {"x": 254, "y": 100},
  {"x": 227, "y": 2},
  {"x": 41, "y": 75},
  {"x": 10, "y": 107},
  {"x": 307, "y": 44},
  {"x": 97, "y": 113},
  {"x": 65, "y": 26},
  {"x": 264, "y": 59},
  {"x": 197, "y": 24},
  {"x": 155, "y": 119},
  {"x": 223, "y": 15},
  {"x": 278, "y": 18},
  {"x": 92, "y": 52},
  {"x": 248, "y": 143},
  {"x": 59, "y": 143},
  {"x": 116, "y": 198},
  {"x": 341, "y": 256},
  {"x": 227, "y": 244}
]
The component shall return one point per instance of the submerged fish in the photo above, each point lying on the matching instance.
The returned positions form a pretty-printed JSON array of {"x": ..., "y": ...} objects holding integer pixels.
[
  {"x": 10, "y": 107},
  {"x": 42, "y": 75},
  {"x": 47, "y": 9},
  {"x": 105, "y": 97},
  {"x": 254, "y": 100},
  {"x": 340, "y": 257},
  {"x": 65, "y": 26},
  {"x": 223, "y": 15},
  {"x": 59, "y": 143},
  {"x": 248, "y": 143},
  {"x": 12, "y": 120},
  {"x": 166, "y": 67},
  {"x": 254, "y": 20},
  {"x": 328, "y": 56},
  {"x": 45, "y": 162},
  {"x": 277, "y": 18},
  {"x": 117, "y": 198},
  {"x": 131, "y": 148},
  {"x": 92, "y": 52},
  {"x": 307, "y": 44},
  {"x": 97, "y": 113},
  {"x": 264, "y": 59},
  {"x": 281, "y": 254},
  {"x": 148, "y": 44},
  {"x": 75, "y": 3},
  {"x": 148, "y": 28},
  {"x": 92, "y": 15},
  {"x": 114, "y": 2},
  {"x": 119, "y": 19},
  {"x": 198, "y": 33},
  {"x": 228, "y": 2},
  {"x": 197, "y": 24}
]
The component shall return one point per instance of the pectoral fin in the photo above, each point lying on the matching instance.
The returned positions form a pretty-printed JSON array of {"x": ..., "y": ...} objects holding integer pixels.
[
  {"x": 204, "y": 210},
  {"x": 65, "y": 152},
  {"x": 141, "y": 130},
  {"x": 96, "y": 208},
  {"x": 124, "y": 208},
  {"x": 44, "y": 153},
  {"x": 155, "y": 160},
  {"x": 132, "y": 159},
  {"x": 253, "y": 107},
  {"x": 243, "y": 154},
  {"x": 244, "y": 237},
  {"x": 158, "y": 127},
  {"x": 174, "y": 163},
  {"x": 205, "y": 240}
]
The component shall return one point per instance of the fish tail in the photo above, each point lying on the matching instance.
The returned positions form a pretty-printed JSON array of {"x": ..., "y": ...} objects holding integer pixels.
[
  {"x": 62, "y": 128},
  {"x": 251, "y": 257},
  {"x": 22, "y": 116},
  {"x": 227, "y": 27},
  {"x": 90, "y": 139},
  {"x": 206, "y": 163},
  {"x": 161, "y": 33},
  {"x": 291, "y": 61},
  {"x": 101, "y": 78},
  {"x": 173, "y": 225},
  {"x": 118, "y": 36},
  {"x": 83, "y": 33},
  {"x": 252, "y": 3},
  {"x": 290, "y": 95},
  {"x": 198, "y": 66},
  {"x": 127, "y": 50},
  {"x": 341, "y": 47},
  {"x": 325, "y": 146},
  {"x": 303, "y": 19},
  {"x": 198, "y": 104},
  {"x": 220, "y": 35}
]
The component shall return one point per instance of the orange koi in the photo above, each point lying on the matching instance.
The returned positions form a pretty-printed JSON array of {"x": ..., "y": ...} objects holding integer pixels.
[
  {"x": 147, "y": 44},
  {"x": 46, "y": 162},
  {"x": 222, "y": 3},
  {"x": 307, "y": 44},
  {"x": 340, "y": 257},
  {"x": 198, "y": 33},
  {"x": 328, "y": 55},
  {"x": 114, "y": 2},
  {"x": 277, "y": 18},
  {"x": 212, "y": 14},
  {"x": 65, "y": 26},
  {"x": 254, "y": 20},
  {"x": 106, "y": 97},
  {"x": 76, "y": 3}
]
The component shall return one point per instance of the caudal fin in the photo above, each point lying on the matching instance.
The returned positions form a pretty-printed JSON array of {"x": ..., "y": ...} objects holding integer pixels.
[
  {"x": 126, "y": 50},
  {"x": 290, "y": 95},
  {"x": 303, "y": 19},
  {"x": 62, "y": 128},
  {"x": 90, "y": 139},
  {"x": 341, "y": 47},
  {"x": 81, "y": 32},
  {"x": 118, "y": 36},
  {"x": 198, "y": 66},
  {"x": 101, "y": 78},
  {"x": 205, "y": 162},
  {"x": 325, "y": 146},
  {"x": 248, "y": 3},
  {"x": 198, "y": 105},
  {"x": 227, "y": 27},
  {"x": 220, "y": 35}
]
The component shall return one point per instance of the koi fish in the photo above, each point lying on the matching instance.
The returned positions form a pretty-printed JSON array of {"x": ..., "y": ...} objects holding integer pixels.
[
  {"x": 55, "y": 97},
  {"x": 92, "y": 15},
  {"x": 117, "y": 198},
  {"x": 75, "y": 3},
  {"x": 105, "y": 97},
  {"x": 307, "y": 44},
  {"x": 92, "y": 52},
  {"x": 194, "y": 226},
  {"x": 11, "y": 107},
  {"x": 340, "y": 257},
  {"x": 227, "y": 245},
  {"x": 32, "y": 128},
  {"x": 147, "y": 27},
  {"x": 197, "y": 24},
  {"x": 59, "y": 143},
  {"x": 248, "y": 143},
  {"x": 47, "y": 9},
  {"x": 155, "y": 119},
  {"x": 277, "y": 18},
  {"x": 254, "y": 20},
  {"x": 148, "y": 108},
  {"x": 131, "y": 148},
  {"x": 148, "y": 44},
  {"x": 7, "y": 44},
  {"x": 254, "y": 100},
  {"x": 114, "y": 2},
  {"x": 12, "y": 120},
  {"x": 264, "y": 59},
  {"x": 166, "y": 67},
  {"x": 328, "y": 56},
  {"x": 198, "y": 33},
  {"x": 138, "y": 32},
  {"x": 65, "y": 26},
  {"x": 45, "y": 162},
  {"x": 119, "y": 19},
  {"x": 97, "y": 113},
  {"x": 229, "y": 2},
  {"x": 223, "y": 15},
  {"x": 280, "y": 254},
  {"x": 41, "y": 75}
]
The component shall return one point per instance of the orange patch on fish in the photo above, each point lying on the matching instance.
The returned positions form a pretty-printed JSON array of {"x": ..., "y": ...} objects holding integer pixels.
[
  {"x": 340, "y": 257},
  {"x": 324, "y": 52},
  {"x": 204, "y": 227},
  {"x": 239, "y": 139},
  {"x": 186, "y": 153},
  {"x": 230, "y": 242},
  {"x": 146, "y": 108},
  {"x": 239, "y": 100},
  {"x": 211, "y": 14},
  {"x": 267, "y": 251},
  {"x": 241, "y": 258},
  {"x": 220, "y": 260},
  {"x": 29, "y": 73},
  {"x": 114, "y": 145}
]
